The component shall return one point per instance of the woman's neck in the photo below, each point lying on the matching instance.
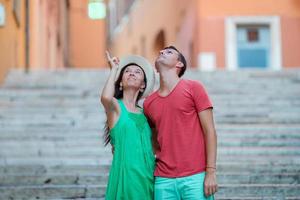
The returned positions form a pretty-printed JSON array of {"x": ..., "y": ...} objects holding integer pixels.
[{"x": 130, "y": 99}]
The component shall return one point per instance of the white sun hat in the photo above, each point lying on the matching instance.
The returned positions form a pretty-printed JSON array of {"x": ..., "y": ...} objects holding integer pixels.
[{"x": 145, "y": 65}]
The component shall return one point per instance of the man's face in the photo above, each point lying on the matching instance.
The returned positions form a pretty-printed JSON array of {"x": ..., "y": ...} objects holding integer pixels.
[{"x": 168, "y": 57}]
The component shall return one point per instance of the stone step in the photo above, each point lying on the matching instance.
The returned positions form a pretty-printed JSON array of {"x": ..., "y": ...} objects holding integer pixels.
[
  {"x": 224, "y": 141},
  {"x": 86, "y": 112},
  {"x": 60, "y": 124},
  {"x": 96, "y": 120},
  {"x": 246, "y": 130},
  {"x": 97, "y": 191},
  {"x": 67, "y": 123},
  {"x": 51, "y": 144},
  {"x": 252, "y": 86},
  {"x": 62, "y": 98},
  {"x": 247, "y": 135},
  {"x": 225, "y": 103},
  {"x": 99, "y": 159},
  {"x": 60, "y": 179},
  {"x": 217, "y": 100},
  {"x": 61, "y": 144},
  {"x": 18, "y": 119},
  {"x": 85, "y": 169},
  {"x": 250, "y": 178},
  {"x": 49, "y": 150},
  {"x": 228, "y": 88},
  {"x": 219, "y": 108},
  {"x": 57, "y": 161},
  {"x": 237, "y": 83},
  {"x": 48, "y": 93},
  {"x": 102, "y": 178},
  {"x": 258, "y": 150},
  {"x": 259, "y": 190},
  {"x": 52, "y": 191},
  {"x": 241, "y": 120},
  {"x": 222, "y": 126},
  {"x": 97, "y": 139}
]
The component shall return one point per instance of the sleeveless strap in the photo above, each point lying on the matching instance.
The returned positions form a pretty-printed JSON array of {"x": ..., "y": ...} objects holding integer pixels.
[{"x": 122, "y": 106}]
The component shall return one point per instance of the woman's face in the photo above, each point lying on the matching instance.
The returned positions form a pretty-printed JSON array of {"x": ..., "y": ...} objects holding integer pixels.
[{"x": 133, "y": 77}]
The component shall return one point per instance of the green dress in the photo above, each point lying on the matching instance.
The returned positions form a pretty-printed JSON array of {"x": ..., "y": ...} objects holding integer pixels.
[{"x": 131, "y": 173}]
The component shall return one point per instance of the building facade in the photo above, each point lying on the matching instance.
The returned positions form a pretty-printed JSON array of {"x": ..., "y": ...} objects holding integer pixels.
[
  {"x": 42, "y": 34},
  {"x": 223, "y": 34}
]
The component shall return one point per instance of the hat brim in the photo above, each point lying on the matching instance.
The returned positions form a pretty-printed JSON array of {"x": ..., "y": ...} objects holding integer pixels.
[{"x": 145, "y": 65}]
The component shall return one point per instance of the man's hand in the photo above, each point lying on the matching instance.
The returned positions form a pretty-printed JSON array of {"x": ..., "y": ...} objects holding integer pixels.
[{"x": 210, "y": 182}]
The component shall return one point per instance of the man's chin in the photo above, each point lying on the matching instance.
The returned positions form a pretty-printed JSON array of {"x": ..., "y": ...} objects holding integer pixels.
[{"x": 158, "y": 61}]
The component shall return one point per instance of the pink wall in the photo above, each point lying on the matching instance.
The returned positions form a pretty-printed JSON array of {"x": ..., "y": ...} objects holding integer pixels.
[
  {"x": 186, "y": 36},
  {"x": 290, "y": 28},
  {"x": 211, "y": 21},
  {"x": 212, "y": 38},
  {"x": 46, "y": 35}
]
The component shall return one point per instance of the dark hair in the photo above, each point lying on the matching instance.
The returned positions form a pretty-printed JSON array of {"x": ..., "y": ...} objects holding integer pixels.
[
  {"x": 119, "y": 95},
  {"x": 181, "y": 58}
]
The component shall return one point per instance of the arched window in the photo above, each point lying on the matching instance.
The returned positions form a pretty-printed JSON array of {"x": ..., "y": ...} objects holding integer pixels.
[{"x": 160, "y": 41}]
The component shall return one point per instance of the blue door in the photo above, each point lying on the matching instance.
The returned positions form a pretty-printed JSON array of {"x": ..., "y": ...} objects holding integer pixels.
[{"x": 253, "y": 46}]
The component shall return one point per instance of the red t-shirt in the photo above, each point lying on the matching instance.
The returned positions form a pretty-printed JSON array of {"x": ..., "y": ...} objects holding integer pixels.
[{"x": 180, "y": 135}]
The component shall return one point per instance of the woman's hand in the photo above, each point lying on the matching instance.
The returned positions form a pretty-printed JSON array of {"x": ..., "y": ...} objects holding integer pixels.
[
  {"x": 112, "y": 61},
  {"x": 108, "y": 100}
]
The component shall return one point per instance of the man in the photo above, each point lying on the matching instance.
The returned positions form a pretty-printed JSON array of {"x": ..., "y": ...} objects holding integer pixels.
[{"x": 180, "y": 113}]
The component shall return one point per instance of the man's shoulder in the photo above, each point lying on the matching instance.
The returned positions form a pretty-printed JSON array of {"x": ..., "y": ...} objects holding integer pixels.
[
  {"x": 150, "y": 98},
  {"x": 192, "y": 83}
]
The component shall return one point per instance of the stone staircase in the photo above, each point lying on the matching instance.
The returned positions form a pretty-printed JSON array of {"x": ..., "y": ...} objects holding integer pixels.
[{"x": 51, "y": 143}]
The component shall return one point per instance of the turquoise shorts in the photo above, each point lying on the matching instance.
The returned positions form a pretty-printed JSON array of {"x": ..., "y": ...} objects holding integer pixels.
[{"x": 183, "y": 188}]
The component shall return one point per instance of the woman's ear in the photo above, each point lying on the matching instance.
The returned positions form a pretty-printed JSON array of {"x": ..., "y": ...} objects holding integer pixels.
[{"x": 142, "y": 87}]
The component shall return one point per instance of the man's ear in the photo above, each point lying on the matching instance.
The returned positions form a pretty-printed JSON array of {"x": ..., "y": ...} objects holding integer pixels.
[{"x": 179, "y": 64}]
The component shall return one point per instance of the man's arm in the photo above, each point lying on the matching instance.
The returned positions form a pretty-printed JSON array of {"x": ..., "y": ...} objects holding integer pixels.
[
  {"x": 210, "y": 136},
  {"x": 155, "y": 144}
]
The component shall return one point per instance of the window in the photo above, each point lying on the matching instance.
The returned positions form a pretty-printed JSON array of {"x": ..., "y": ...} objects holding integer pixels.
[
  {"x": 252, "y": 35},
  {"x": 2, "y": 15},
  {"x": 96, "y": 9}
]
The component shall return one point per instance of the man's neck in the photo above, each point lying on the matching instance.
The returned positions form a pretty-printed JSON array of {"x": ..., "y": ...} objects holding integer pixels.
[{"x": 168, "y": 81}]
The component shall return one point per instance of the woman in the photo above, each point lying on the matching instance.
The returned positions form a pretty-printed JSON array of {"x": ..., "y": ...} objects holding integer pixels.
[{"x": 131, "y": 173}]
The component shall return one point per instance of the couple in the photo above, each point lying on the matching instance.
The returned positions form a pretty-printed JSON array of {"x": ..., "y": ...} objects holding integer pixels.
[{"x": 176, "y": 124}]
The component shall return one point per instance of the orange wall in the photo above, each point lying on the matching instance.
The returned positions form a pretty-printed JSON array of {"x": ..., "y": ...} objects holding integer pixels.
[
  {"x": 146, "y": 19},
  {"x": 12, "y": 40},
  {"x": 87, "y": 37},
  {"x": 211, "y": 19},
  {"x": 47, "y": 34},
  {"x": 59, "y": 36},
  {"x": 199, "y": 26}
]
